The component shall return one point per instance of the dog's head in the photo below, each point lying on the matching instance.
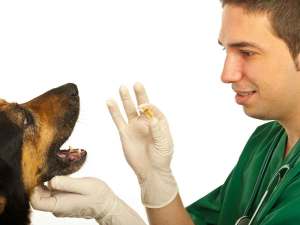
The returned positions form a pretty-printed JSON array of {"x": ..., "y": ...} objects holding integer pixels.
[{"x": 31, "y": 135}]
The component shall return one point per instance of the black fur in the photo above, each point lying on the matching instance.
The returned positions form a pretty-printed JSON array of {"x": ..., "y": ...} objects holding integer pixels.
[{"x": 16, "y": 211}]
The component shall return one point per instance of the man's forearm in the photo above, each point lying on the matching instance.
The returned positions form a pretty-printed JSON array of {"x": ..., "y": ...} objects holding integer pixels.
[{"x": 172, "y": 214}]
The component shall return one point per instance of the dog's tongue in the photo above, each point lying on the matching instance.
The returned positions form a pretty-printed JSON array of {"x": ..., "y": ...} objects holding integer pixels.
[{"x": 71, "y": 154}]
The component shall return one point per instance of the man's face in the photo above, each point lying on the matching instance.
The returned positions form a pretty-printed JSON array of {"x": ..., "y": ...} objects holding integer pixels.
[{"x": 259, "y": 66}]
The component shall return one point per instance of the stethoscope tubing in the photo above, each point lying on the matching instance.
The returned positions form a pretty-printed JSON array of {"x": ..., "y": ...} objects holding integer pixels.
[
  {"x": 287, "y": 168},
  {"x": 262, "y": 171}
]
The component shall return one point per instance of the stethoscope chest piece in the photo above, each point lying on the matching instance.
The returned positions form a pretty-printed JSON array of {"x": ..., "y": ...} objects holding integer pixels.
[{"x": 244, "y": 220}]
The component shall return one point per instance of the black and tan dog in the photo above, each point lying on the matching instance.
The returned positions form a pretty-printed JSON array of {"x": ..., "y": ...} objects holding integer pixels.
[{"x": 31, "y": 135}]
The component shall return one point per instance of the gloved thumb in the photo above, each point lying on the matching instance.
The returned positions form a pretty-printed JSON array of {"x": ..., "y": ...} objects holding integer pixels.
[
  {"x": 155, "y": 129},
  {"x": 69, "y": 184},
  {"x": 161, "y": 138},
  {"x": 41, "y": 199}
]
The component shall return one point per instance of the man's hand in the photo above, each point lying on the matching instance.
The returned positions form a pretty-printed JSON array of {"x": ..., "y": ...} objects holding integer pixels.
[
  {"x": 83, "y": 198},
  {"x": 148, "y": 147}
]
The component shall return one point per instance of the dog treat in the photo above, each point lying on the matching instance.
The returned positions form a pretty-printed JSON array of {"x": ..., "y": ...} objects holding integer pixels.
[{"x": 147, "y": 112}]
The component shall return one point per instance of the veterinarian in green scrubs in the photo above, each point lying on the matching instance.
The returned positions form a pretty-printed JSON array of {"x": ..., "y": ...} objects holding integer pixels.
[
  {"x": 262, "y": 43},
  {"x": 261, "y": 164}
]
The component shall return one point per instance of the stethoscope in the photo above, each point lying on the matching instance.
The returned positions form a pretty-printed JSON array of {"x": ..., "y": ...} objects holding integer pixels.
[{"x": 275, "y": 180}]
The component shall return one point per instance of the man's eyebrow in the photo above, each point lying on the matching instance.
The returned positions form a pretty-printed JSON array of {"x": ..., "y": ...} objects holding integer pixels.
[{"x": 242, "y": 44}]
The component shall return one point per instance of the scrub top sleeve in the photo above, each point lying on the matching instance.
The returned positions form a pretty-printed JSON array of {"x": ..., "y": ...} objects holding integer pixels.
[{"x": 206, "y": 210}]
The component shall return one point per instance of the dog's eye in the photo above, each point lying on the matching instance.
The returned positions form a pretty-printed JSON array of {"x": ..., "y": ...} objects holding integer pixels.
[
  {"x": 25, "y": 122},
  {"x": 28, "y": 120}
]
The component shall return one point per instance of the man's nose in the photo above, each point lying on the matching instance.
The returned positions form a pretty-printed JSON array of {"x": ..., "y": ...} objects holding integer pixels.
[{"x": 232, "y": 70}]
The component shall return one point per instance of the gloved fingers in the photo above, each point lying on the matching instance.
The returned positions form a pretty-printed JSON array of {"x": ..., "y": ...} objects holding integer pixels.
[
  {"x": 42, "y": 190},
  {"x": 140, "y": 94},
  {"x": 154, "y": 110},
  {"x": 128, "y": 104},
  {"x": 41, "y": 199},
  {"x": 116, "y": 114},
  {"x": 70, "y": 184}
]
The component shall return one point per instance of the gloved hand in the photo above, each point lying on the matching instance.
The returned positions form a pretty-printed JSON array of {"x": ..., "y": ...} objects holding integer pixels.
[
  {"x": 148, "y": 147},
  {"x": 83, "y": 198}
]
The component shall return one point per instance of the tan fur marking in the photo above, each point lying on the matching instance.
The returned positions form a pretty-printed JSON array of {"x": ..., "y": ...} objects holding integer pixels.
[
  {"x": 36, "y": 146},
  {"x": 2, "y": 102},
  {"x": 15, "y": 117},
  {"x": 2, "y": 203},
  {"x": 34, "y": 156}
]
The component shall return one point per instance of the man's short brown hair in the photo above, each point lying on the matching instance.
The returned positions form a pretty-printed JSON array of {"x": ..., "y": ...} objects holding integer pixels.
[{"x": 284, "y": 16}]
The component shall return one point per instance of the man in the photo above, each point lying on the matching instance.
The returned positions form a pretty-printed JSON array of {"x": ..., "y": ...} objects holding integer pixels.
[{"x": 262, "y": 41}]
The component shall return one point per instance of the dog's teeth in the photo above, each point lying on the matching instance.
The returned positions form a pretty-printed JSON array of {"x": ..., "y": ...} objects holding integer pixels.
[{"x": 73, "y": 150}]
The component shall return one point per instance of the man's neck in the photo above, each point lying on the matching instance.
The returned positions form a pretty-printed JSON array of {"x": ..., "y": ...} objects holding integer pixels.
[{"x": 293, "y": 135}]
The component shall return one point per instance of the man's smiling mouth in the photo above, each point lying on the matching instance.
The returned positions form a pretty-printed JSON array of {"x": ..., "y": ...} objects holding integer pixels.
[{"x": 242, "y": 97}]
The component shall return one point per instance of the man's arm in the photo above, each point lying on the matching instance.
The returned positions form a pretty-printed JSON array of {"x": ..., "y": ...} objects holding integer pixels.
[
  {"x": 172, "y": 214},
  {"x": 148, "y": 149}
]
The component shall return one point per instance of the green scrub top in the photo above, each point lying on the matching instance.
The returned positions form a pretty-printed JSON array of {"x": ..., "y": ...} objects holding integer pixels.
[{"x": 226, "y": 204}]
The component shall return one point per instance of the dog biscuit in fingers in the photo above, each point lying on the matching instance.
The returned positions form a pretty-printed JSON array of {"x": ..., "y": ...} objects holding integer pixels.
[{"x": 147, "y": 111}]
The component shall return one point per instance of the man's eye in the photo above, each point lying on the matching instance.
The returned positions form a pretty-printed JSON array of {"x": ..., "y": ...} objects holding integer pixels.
[{"x": 247, "y": 53}]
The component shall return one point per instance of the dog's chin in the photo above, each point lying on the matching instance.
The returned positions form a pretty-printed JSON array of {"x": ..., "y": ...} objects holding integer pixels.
[{"x": 64, "y": 162}]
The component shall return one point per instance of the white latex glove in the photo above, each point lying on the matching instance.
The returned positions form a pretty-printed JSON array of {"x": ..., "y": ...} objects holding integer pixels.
[
  {"x": 148, "y": 147},
  {"x": 83, "y": 198}
]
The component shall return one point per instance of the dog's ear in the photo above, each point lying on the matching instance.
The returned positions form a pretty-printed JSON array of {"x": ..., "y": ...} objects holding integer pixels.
[
  {"x": 10, "y": 157},
  {"x": 10, "y": 142},
  {"x": 5, "y": 183},
  {"x": 2, "y": 204},
  {"x": 2, "y": 102}
]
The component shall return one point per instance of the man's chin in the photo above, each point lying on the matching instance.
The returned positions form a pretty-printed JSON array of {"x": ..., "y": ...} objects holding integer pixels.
[{"x": 251, "y": 112}]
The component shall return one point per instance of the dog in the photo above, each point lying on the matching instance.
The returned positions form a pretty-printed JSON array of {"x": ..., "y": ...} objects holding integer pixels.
[{"x": 31, "y": 135}]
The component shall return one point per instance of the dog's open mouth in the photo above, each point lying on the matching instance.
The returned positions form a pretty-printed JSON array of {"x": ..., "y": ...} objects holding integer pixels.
[
  {"x": 63, "y": 161},
  {"x": 67, "y": 161},
  {"x": 71, "y": 155}
]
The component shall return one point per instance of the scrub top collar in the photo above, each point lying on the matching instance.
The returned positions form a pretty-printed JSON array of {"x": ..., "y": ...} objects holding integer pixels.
[{"x": 293, "y": 156}]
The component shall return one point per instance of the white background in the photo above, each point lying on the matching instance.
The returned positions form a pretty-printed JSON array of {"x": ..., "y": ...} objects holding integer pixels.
[{"x": 169, "y": 46}]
